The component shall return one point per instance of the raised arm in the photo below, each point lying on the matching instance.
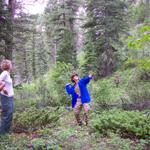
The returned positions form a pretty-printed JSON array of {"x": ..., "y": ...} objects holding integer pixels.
[{"x": 87, "y": 79}]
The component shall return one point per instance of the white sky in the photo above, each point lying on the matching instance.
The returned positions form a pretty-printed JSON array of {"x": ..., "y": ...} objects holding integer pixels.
[{"x": 34, "y": 6}]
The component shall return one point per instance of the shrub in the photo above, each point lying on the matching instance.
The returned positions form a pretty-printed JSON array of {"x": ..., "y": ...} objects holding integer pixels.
[
  {"x": 44, "y": 144},
  {"x": 126, "y": 123},
  {"x": 105, "y": 90},
  {"x": 138, "y": 89},
  {"x": 49, "y": 90},
  {"x": 32, "y": 119},
  {"x": 13, "y": 142},
  {"x": 61, "y": 75},
  {"x": 139, "y": 49}
]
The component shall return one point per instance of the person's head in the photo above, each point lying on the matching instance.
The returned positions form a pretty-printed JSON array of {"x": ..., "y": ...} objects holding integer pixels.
[
  {"x": 6, "y": 65},
  {"x": 74, "y": 77}
]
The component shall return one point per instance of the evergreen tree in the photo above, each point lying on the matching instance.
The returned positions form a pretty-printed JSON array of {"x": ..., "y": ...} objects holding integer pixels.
[
  {"x": 6, "y": 27},
  {"x": 31, "y": 57},
  {"x": 61, "y": 16},
  {"x": 65, "y": 53},
  {"x": 106, "y": 20}
]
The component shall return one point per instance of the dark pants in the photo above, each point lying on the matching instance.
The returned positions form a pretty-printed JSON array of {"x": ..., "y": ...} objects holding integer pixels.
[{"x": 7, "y": 113}]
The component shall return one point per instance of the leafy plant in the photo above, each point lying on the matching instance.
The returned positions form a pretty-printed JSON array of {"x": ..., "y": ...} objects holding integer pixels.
[
  {"x": 32, "y": 119},
  {"x": 126, "y": 123},
  {"x": 46, "y": 91},
  {"x": 61, "y": 75},
  {"x": 44, "y": 144},
  {"x": 139, "y": 44}
]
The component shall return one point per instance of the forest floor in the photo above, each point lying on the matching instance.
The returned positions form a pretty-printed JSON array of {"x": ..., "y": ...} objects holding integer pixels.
[
  {"x": 67, "y": 135},
  {"x": 74, "y": 137}
]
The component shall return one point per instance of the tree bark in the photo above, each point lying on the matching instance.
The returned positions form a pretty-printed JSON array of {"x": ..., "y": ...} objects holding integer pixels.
[{"x": 9, "y": 40}]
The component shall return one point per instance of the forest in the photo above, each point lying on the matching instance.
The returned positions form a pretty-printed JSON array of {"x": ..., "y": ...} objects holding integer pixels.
[{"x": 109, "y": 39}]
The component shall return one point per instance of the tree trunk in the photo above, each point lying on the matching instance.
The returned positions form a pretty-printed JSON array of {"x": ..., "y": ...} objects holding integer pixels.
[
  {"x": 9, "y": 39},
  {"x": 33, "y": 56}
]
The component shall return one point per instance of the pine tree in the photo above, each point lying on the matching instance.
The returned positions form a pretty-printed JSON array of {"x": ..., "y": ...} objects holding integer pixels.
[
  {"x": 31, "y": 57},
  {"x": 106, "y": 20},
  {"x": 6, "y": 30},
  {"x": 65, "y": 53},
  {"x": 61, "y": 16}
]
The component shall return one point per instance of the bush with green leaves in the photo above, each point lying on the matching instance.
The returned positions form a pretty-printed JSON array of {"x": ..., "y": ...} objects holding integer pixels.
[
  {"x": 105, "y": 91},
  {"x": 61, "y": 76},
  {"x": 44, "y": 144},
  {"x": 130, "y": 89},
  {"x": 138, "y": 89},
  {"x": 139, "y": 48},
  {"x": 32, "y": 118},
  {"x": 13, "y": 142},
  {"x": 25, "y": 142},
  {"x": 48, "y": 90},
  {"x": 126, "y": 123},
  {"x": 125, "y": 143}
]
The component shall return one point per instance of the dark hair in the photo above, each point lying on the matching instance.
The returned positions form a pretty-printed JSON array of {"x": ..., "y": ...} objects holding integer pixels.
[{"x": 73, "y": 75}]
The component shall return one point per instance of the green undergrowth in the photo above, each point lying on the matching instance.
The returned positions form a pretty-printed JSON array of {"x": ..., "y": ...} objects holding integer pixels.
[
  {"x": 131, "y": 124},
  {"x": 48, "y": 90},
  {"x": 32, "y": 119},
  {"x": 66, "y": 135},
  {"x": 43, "y": 121},
  {"x": 122, "y": 87}
]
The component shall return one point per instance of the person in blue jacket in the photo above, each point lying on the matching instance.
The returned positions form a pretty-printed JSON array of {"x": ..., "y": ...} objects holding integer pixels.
[{"x": 80, "y": 96}]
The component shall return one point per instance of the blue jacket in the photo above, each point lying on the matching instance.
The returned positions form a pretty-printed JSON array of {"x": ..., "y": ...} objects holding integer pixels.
[{"x": 85, "y": 96}]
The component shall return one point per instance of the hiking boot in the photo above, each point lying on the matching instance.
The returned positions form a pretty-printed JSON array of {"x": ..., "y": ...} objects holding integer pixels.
[
  {"x": 86, "y": 119},
  {"x": 79, "y": 122}
]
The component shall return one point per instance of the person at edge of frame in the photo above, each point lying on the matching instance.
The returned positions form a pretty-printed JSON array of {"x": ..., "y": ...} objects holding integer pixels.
[{"x": 6, "y": 97}]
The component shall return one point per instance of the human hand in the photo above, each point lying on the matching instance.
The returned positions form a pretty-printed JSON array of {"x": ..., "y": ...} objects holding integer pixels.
[
  {"x": 5, "y": 91},
  {"x": 2, "y": 85},
  {"x": 91, "y": 74},
  {"x": 68, "y": 84}
]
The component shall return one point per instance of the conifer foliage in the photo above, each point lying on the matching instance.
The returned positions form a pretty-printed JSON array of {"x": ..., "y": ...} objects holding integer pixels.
[
  {"x": 59, "y": 20},
  {"x": 105, "y": 21}
]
